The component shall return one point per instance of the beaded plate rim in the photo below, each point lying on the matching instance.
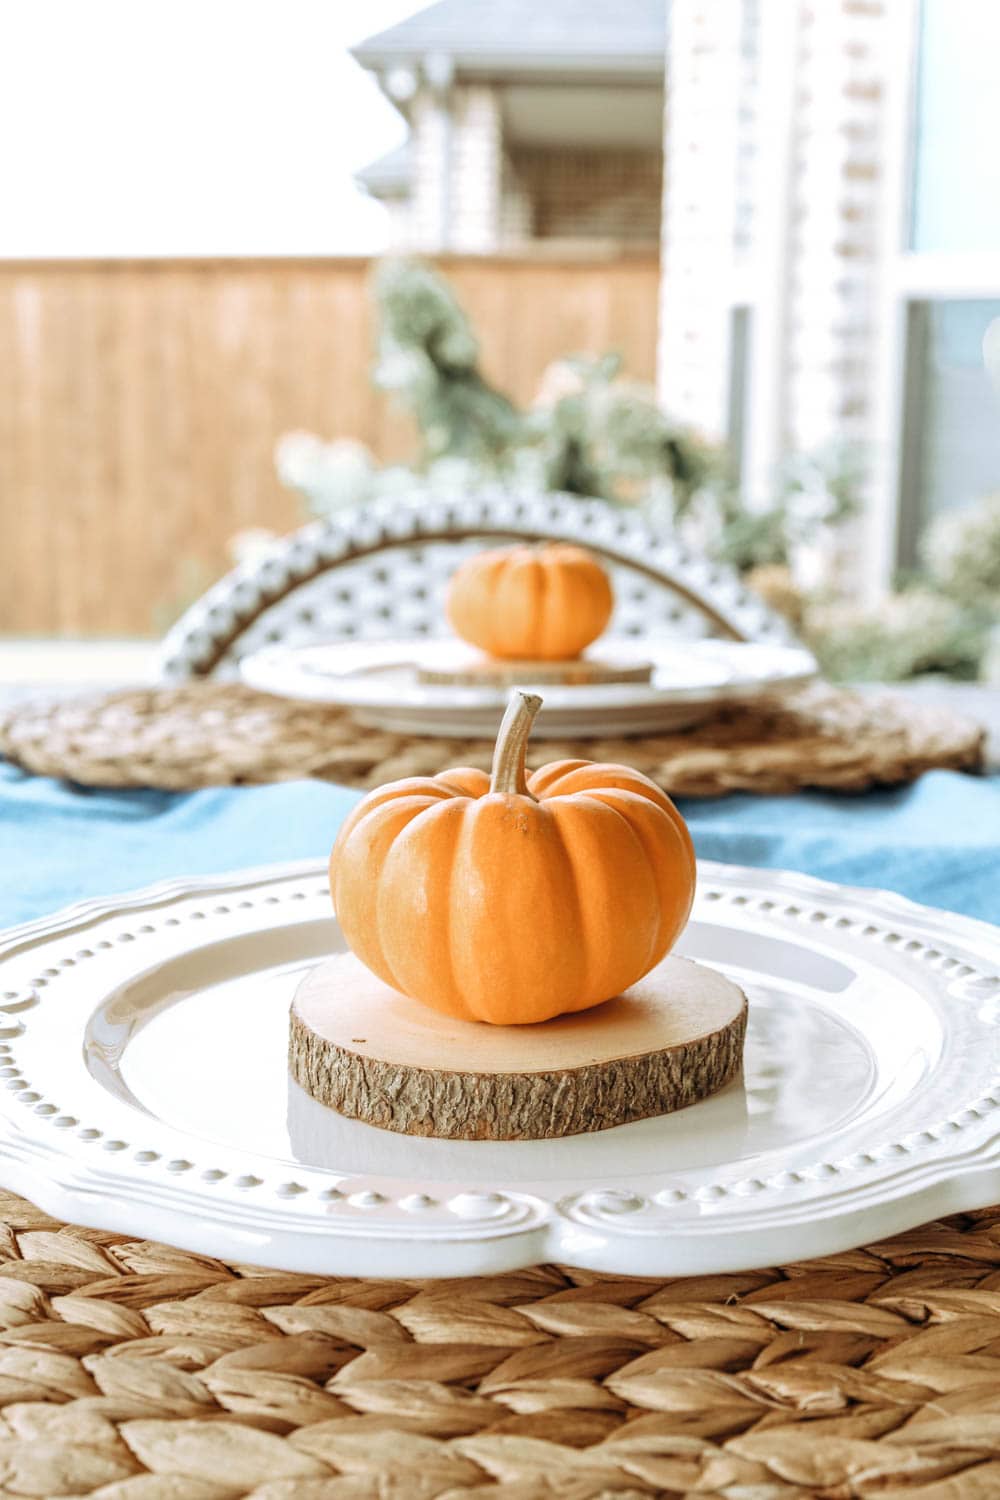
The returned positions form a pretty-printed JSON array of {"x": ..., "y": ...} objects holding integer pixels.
[{"x": 220, "y": 1203}]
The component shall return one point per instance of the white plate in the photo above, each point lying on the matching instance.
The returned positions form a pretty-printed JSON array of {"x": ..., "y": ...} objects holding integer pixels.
[
  {"x": 378, "y": 679},
  {"x": 145, "y": 1090}
]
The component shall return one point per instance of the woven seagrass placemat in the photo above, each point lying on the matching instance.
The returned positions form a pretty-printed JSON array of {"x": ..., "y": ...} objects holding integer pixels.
[
  {"x": 206, "y": 733},
  {"x": 131, "y": 1371}
]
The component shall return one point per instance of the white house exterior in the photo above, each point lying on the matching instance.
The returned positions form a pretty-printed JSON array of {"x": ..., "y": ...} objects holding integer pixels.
[{"x": 533, "y": 123}]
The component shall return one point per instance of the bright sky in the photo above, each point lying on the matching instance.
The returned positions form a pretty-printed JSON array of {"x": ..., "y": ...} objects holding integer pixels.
[{"x": 190, "y": 127}]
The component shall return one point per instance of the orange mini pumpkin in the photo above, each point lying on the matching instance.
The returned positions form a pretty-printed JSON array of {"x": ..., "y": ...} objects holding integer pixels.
[
  {"x": 511, "y": 899},
  {"x": 526, "y": 603}
]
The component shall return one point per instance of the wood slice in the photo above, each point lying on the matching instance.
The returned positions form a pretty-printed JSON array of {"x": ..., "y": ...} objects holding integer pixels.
[
  {"x": 370, "y": 1053},
  {"x": 471, "y": 669}
]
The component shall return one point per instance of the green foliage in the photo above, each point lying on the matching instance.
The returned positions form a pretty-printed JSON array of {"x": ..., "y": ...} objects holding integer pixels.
[
  {"x": 905, "y": 635},
  {"x": 812, "y": 491},
  {"x": 606, "y": 436},
  {"x": 595, "y": 435},
  {"x": 609, "y": 437},
  {"x": 753, "y": 539},
  {"x": 941, "y": 619},
  {"x": 590, "y": 432},
  {"x": 428, "y": 355},
  {"x": 960, "y": 552}
]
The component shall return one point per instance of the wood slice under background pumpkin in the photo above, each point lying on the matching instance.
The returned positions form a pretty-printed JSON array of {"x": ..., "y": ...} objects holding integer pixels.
[
  {"x": 465, "y": 668},
  {"x": 374, "y": 1055}
]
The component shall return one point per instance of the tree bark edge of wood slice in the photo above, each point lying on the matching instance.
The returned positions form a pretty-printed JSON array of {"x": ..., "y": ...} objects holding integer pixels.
[{"x": 372, "y": 1054}]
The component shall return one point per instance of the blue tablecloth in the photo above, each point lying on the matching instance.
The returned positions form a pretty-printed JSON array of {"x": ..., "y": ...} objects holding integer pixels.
[{"x": 937, "y": 841}]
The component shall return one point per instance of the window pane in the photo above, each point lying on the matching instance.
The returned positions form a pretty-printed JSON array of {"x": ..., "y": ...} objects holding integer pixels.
[
  {"x": 956, "y": 195},
  {"x": 953, "y": 426}
]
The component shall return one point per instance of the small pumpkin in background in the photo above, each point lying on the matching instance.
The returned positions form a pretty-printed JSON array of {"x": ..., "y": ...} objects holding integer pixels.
[
  {"x": 530, "y": 603},
  {"x": 510, "y": 898}
]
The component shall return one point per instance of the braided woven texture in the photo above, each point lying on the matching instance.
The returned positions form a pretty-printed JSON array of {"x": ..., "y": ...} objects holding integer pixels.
[
  {"x": 130, "y": 1371},
  {"x": 207, "y": 733}
]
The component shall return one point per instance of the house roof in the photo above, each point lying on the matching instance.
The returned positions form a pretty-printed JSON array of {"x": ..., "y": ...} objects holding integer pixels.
[
  {"x": 389, "y": 175},
  {"x": 587, "y": 38}
]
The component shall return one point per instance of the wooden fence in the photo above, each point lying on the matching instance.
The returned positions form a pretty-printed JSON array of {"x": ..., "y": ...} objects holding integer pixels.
[{"x": 140, "y": 403}]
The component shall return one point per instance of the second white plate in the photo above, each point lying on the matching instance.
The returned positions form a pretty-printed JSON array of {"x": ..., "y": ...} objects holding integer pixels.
[{"x": 378, "y": 679}]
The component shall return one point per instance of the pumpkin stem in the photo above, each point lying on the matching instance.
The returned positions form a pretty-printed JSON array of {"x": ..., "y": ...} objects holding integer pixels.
[{"x": 508, "y": 774}]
